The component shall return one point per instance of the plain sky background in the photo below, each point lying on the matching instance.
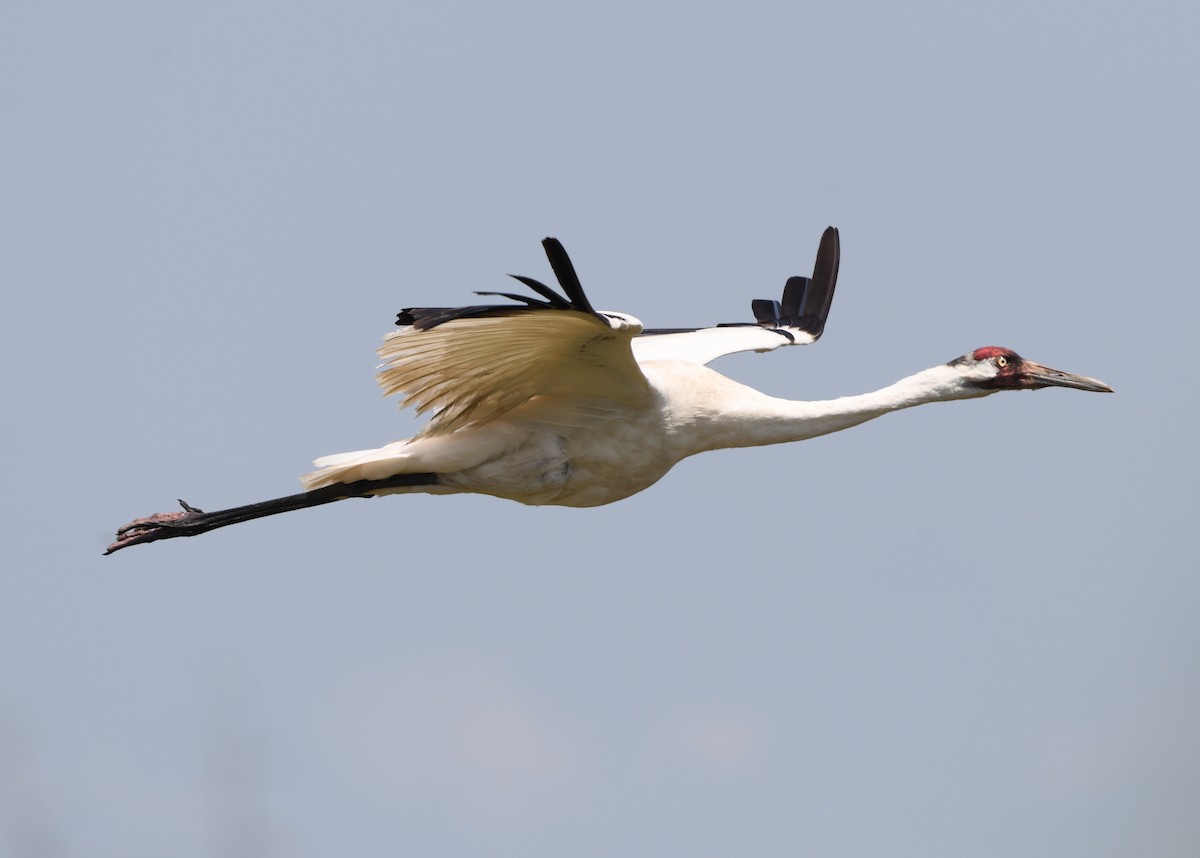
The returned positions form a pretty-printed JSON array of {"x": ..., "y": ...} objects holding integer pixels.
[{"x": 966, "y": 629}]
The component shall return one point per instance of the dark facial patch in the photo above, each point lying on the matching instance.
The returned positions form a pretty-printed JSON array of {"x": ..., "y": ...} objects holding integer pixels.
[
  {"x": 986, "y": 353},
  {"x": 1008, "y": 377}
]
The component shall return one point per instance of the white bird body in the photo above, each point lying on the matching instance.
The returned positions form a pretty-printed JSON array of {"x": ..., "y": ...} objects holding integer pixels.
[
  {"x": 531, "y": 456},
  {"x": 551, "y": 402}
]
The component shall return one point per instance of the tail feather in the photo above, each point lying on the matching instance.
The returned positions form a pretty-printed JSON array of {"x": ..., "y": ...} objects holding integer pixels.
[
  {"x": 359, "y": 465},
  {"x": 440, "y": 454}
]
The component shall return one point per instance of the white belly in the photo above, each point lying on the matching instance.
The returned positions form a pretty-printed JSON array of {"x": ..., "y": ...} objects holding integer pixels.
[{"x": 567, "y": 467}]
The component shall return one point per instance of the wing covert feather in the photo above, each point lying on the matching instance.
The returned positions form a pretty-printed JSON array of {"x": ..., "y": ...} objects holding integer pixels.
[{"x": 477, "y": 369}]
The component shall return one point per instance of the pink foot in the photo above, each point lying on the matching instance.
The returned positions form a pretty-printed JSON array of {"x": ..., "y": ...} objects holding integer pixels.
[{"x": 151, "y": 527}]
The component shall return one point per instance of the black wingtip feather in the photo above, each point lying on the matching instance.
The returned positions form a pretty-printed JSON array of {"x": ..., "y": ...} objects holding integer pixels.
[
  {"x": 424, "y": 318},
  {"x": 793, "y": 296},
  {"x": 552, "y": 297},
  {"x": 819, "y": 297},
  {"x": 806, "y": 300},
  {"x": 766, "y": 311},
  {"x": 564, "y": 270},
  {"x": 805, "y": 305}
]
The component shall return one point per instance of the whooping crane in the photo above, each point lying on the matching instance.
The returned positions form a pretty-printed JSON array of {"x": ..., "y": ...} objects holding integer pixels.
[{"x": 549, "y": 401}]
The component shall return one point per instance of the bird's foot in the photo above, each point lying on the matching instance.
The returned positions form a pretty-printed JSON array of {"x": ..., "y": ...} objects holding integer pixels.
[{"x": 161, "y": 525}]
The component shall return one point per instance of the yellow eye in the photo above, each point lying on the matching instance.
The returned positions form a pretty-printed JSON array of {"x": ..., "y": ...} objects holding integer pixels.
[{"x": 1001, "y": 361}]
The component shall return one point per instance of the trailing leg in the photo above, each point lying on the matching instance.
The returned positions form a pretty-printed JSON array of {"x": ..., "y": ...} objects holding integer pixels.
[{"x": 192, "y": 521}]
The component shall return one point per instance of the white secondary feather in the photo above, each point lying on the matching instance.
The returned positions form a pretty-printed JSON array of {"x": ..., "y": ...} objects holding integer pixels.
[
  {"x": 475, "y": 369},
  {"x": 707, "y": 344}
]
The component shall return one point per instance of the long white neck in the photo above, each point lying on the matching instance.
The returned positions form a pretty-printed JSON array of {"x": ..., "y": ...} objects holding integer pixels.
[{"x": 729, "y": 414}]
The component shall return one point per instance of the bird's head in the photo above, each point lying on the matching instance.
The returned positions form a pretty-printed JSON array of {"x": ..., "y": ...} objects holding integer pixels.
[{"x": 993, "y": 368}]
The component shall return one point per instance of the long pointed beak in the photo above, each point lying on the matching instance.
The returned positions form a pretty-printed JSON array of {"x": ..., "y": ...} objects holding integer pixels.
[{"x": 1037, "y": 376}]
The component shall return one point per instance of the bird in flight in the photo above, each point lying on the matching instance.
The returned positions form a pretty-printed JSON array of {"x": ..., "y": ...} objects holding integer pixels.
[{"x": 547, "y": 400}]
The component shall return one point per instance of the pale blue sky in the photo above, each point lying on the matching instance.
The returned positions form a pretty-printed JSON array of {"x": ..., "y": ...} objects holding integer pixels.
[{"x": 967, "y": 629}]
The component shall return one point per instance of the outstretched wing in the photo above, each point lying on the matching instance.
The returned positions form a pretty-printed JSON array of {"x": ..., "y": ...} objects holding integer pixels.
[
  {"x": 797, "y": 319},
  {"x": 474, "y": 364}
]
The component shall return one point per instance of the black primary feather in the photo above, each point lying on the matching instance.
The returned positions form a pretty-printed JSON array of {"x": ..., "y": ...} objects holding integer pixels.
[
  {"x": 424, "y": 318},
  {"x": 806, "y": 300},
  {"x": 805, "y": 304},
  {"x": 565, "y": 272}
]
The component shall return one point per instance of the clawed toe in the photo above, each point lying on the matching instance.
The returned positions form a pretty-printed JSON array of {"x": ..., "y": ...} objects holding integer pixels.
[
  {"x": 159, "y": 519},
  {"x": 152, "y": 527}
]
